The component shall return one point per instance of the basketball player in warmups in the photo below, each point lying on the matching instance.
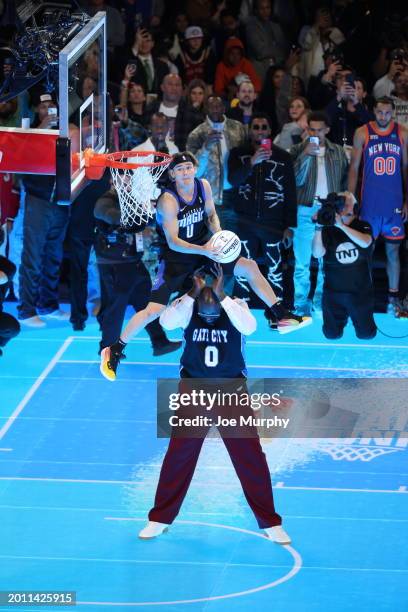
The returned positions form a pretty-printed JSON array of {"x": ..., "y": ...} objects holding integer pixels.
[
  {"x": 186, "y": 218},
  {"x": 382, "y": 146},
  {"x": 215, "y": 327}
]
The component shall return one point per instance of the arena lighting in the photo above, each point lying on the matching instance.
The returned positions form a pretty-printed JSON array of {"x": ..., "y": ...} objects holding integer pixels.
[{"x": 34, "y": 53}]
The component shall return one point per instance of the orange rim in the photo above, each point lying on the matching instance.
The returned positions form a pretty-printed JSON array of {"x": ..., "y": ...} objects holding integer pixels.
[{"x": 112, "y": 160}]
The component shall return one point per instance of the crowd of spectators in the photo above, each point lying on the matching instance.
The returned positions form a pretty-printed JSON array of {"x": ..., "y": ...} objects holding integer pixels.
[{"x": 243, "y": 85}]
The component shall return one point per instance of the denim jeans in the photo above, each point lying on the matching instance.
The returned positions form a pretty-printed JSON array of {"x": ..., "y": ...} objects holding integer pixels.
[
  {"x": 302, "y": 247},
  {"x": 45, "y": 224}
]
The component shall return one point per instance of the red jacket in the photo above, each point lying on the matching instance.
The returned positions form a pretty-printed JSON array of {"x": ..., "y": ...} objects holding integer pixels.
[{"x": 224, "y": 73}]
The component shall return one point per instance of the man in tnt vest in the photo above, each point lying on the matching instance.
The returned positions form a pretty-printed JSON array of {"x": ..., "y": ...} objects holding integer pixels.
[
  {"x": 346, "y": 248},
  {"x": 215, "y": 327}
]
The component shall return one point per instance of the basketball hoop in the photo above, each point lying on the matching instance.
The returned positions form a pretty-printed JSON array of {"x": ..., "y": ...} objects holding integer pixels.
[{"x": 135, "y": 175}]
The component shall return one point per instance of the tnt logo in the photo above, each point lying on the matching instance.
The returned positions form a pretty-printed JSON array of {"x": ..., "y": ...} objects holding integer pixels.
[{"x": 346, "y": 253}]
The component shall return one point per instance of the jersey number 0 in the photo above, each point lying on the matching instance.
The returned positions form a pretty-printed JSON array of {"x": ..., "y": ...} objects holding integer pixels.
[{"x": 211, "y": 356}]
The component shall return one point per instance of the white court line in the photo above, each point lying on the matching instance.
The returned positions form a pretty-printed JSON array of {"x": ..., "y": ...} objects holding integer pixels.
[
  {"x": 198, "y": 484},
  {"x": 5, "y": 450},
  {"x": 252, "y": 366},
  {"x": 288, "y": 344},
  {"x": 34, "y": 387},
  {"x": 186, "y": 512},
  {"x": 203, "y": 563}
]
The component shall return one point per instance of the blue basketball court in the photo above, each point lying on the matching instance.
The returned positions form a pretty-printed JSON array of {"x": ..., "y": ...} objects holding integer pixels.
[{"x": 79, "y": 463}]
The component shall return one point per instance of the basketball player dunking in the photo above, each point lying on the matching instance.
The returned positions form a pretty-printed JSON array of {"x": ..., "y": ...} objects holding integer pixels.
[
  {"x": 215, "y": 327},
  {"x": 382, "y": 146},
  {"x": 186, "y": 219}
]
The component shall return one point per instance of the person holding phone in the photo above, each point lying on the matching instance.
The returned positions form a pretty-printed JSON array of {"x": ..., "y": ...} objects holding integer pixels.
[
  {"x": 211, "y": 142},
  {"x": 265, "y": 207},
  {"x": 44, "y": 229},
  {"x": 321, "y": 168},
  {"x": 348, "y": 110},
  {"x": 149, "y": 70}
]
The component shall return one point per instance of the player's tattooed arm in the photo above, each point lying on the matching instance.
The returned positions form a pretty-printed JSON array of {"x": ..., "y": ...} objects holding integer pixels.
[{"x": 213, "y": 222}]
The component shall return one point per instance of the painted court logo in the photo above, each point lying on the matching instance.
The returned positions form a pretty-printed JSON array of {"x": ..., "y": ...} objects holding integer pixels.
[{"x": 346, "y": 253}]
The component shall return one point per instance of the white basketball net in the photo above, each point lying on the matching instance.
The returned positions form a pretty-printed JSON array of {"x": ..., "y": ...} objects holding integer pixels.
[
  {"x": 136, "y": 189},
  {"x": 340, "y": 452}
]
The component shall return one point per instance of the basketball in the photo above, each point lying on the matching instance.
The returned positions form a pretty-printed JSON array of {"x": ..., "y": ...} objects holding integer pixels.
[{"x": 229, "y": 244}]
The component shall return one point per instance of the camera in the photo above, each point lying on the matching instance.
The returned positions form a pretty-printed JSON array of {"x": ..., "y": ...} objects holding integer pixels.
[{"x": 331, "y": 205}]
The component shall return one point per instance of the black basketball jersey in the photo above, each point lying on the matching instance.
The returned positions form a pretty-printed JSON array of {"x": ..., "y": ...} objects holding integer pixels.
[
  {"x": 212, "y": 351},
  {"x": 191, "y": 219}
]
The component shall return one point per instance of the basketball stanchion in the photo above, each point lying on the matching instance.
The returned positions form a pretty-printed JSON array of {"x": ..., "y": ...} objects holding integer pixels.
[{"x": 135, "y": 175}]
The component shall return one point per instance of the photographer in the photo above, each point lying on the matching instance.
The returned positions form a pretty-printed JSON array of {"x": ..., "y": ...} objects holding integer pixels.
[
  {"x": 346, "y": 246},
  {"x": 9, "y": 326},
  {"x": 124, "y": 277}
]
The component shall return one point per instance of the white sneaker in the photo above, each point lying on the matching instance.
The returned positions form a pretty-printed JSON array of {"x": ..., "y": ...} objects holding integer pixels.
[
  {"x": 152, "y": 530},
  {"x": 34, "y": 321},
  {"x": 278, "y": 535},
  {"x": 58, "y": 315}
]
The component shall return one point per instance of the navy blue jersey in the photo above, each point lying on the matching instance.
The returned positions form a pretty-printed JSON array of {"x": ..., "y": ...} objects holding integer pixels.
[
  {"x": 212, "y": 351},
  {"x": 191, "y": 219}
]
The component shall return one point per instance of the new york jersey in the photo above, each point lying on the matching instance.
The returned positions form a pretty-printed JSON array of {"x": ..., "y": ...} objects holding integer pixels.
[
  {"x": 382, "y": 189},
  {"x": 212, "y": 351},
  {"x": 191, "y": 221}
]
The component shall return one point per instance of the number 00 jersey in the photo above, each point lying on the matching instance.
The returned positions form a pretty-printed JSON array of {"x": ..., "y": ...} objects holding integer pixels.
[
  {"x": 212, "y": 351},
  {"x": 191, "y": 221},
  {"x": 382, "y": 191}
]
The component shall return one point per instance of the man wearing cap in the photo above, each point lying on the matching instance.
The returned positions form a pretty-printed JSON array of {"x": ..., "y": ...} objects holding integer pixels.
[
  {"x": 45, "y": 224},
  {"x": 196, "y": 59}
]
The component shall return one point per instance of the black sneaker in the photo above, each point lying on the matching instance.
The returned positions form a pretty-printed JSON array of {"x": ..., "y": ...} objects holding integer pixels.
[
  {"x": 291, "y": 322},
  {"x": 286, "y": 320},
  {"x": 272, "y": 320},
  {"x": 168, "y": 347},
  {"x": 110, "y": 360}
]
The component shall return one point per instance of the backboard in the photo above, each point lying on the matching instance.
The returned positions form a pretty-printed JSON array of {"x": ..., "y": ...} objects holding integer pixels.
[
  {"x": 82, "y": 100},
  {"x": 83, "y": 96}
]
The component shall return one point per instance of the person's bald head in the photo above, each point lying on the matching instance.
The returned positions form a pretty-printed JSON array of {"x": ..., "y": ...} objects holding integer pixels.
[{"x": 172, "y": 88}]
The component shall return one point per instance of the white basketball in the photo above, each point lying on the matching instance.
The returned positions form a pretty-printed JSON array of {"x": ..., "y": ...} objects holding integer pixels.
[{"x": 229, "y": 245}]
